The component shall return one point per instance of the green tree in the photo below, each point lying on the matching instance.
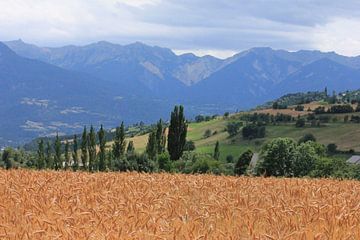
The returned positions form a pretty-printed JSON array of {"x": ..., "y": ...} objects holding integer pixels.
[
  {"x": 305, "y": 159},
  {"x": 243, "y": 162},
  {"x": 40, "y": 163},
  {"x": 300, "y": 123},
  {"x": 278, "y": 157},
  {"x": 233, "y": 128},
  {"x": 177, "y": 133},
  {"x": 67, "y": 155},
  {"x": 119, "y": 142},
  {"x": 331, "y": 148},
  {"x": 307, "y": 138},
  {"x": 102, "y": 152},
  {"x": 57, "y": 156},
  {"x": 49, "y": 158},
  {"x": 217, "y": 151},
  {"x": 75, "y": 156},
  {"x": 164, "y": 162},
  {"x": 206, "y": 164},
  {"x": 110, "y": 162},
  {"x": 189, "y": 146},
  {"x": 7, "y": 158},
  {"x": 207, "y": 133},
  {"x": 84, "y": 149},
  {"x": 160, "y": 137},
  {"x": 151, "y": 147},
  {"x": 130, "y": 148},
  {"x": 92, "y": 149}
]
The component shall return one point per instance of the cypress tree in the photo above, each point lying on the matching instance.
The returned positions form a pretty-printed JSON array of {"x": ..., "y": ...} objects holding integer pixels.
[
  {"x": 75, "y": 156},
  {"x": 177, "y": 133},
  {"x": 40, "y": 163},
  {"x": 217, "y": 151},
  {"x": 160, "y": 137},
  {"x": 67, "y": 155},
  {"x": 130, "y": 148},
  {"x": 102, "y": 152},
  {"x": 151, "y": 147},
  {"x": 119, "y": 142},
  {"x": 49, "y": 158},
  {"x": 92, "y": 149},
  {"x": 84, "y": 149},
  {"x": 6, "y": 158},
  {"x": 109, "y": 156},
  {"x": 57, "y": 157}
]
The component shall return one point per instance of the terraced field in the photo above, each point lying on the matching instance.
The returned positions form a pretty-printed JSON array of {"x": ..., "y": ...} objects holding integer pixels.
[{"x": 67, "y": 205}]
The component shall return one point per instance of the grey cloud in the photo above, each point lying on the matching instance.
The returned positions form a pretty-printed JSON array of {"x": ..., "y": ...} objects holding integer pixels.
[{"x": 182, "y": 24}]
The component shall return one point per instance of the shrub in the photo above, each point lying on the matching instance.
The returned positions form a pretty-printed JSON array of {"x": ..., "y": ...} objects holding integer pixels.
[
  {"x": 243, "y": 162},
  {"x": 189, "y": 146},
  {"x": 319, "y": 110},
  {"x": 300, "y": 123},
  {"x": 347, "y": 108},
  {"x": 206, "y": 164},
  {"x": 207, "y": 133},
  {"x": 229, "y": 158},
  {"x": 199, "y": 118},
  {"x": 331, "y": 148},
  {"x": 299, "y": 108},
  {"x": 276, "y": 105},
  {"x": 253, "y": 131},
  {"x": 307, "y": 137},
  {"x": 233, "y": 128},
  {"x": 164, "y": 162}
]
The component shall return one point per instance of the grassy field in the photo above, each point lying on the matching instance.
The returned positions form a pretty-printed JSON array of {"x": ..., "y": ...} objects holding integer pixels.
[
  {"x": 68, "y": 205},
  {"x": 345, "y": 135}
]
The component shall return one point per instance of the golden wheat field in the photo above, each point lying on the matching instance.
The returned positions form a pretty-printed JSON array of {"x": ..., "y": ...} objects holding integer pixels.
[{"x": 66, "y": 205}]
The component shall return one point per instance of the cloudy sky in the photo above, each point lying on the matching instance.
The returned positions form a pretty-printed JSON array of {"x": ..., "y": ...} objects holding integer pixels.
[{"x": 217, "y": 27}]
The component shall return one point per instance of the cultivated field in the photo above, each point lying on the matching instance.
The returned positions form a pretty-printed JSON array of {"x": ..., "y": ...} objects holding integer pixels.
[{"x": 66, "y": 205}]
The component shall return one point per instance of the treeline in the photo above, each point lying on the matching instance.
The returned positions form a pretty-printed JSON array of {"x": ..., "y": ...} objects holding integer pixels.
[
  {"x": 92, "y": 152},
  {"x": 285, "y": 157},
  {"x": 135, "y": 129},
  {"x": 295, "y": 99},
  {"x": 345, "y": 108}
]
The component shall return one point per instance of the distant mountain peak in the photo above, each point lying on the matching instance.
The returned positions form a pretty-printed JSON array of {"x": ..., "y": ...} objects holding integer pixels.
[{"x": 6, "y": 51}]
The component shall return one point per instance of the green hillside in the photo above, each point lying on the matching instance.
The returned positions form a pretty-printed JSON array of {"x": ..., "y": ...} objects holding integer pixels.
[{"x": 345, "y": 135}]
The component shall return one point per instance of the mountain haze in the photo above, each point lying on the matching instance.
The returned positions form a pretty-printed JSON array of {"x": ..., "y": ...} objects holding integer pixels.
[{"x": 48, "y": 90}]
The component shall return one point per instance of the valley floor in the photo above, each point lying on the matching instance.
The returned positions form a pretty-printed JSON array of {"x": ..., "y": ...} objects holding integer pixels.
[{"x": 67, "y": 205}]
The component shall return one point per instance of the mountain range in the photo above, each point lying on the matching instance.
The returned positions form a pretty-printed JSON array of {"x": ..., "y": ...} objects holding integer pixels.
[{"x": 48, "y": 90}]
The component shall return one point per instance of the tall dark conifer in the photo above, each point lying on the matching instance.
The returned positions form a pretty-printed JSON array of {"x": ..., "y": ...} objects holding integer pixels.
[
  {"x": 130, "y": 148},
  {"x": 84, "y": 149},
  {"x": 102, "y": 152},
  {"x": 177, "y": 133},
  {"x": 92, "y": 149},
  {"x": 75, "y": 155},
  {"x": 151, "y": 147},
  {"x": 160, "y": 137},
  {"x": 67, "y": 155},
  {"x": 49, "y": 158},
  {"x": 7, "y": 158},
  {"x": 217, "y": 151},
  {"x": 40, "y": 163},
  {"x": 57, "y": 156},
  {"x": 119, "y": 142}
]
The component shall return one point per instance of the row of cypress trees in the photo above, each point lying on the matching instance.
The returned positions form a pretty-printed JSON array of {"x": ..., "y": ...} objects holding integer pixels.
[{"x": 93, "y": 154}]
